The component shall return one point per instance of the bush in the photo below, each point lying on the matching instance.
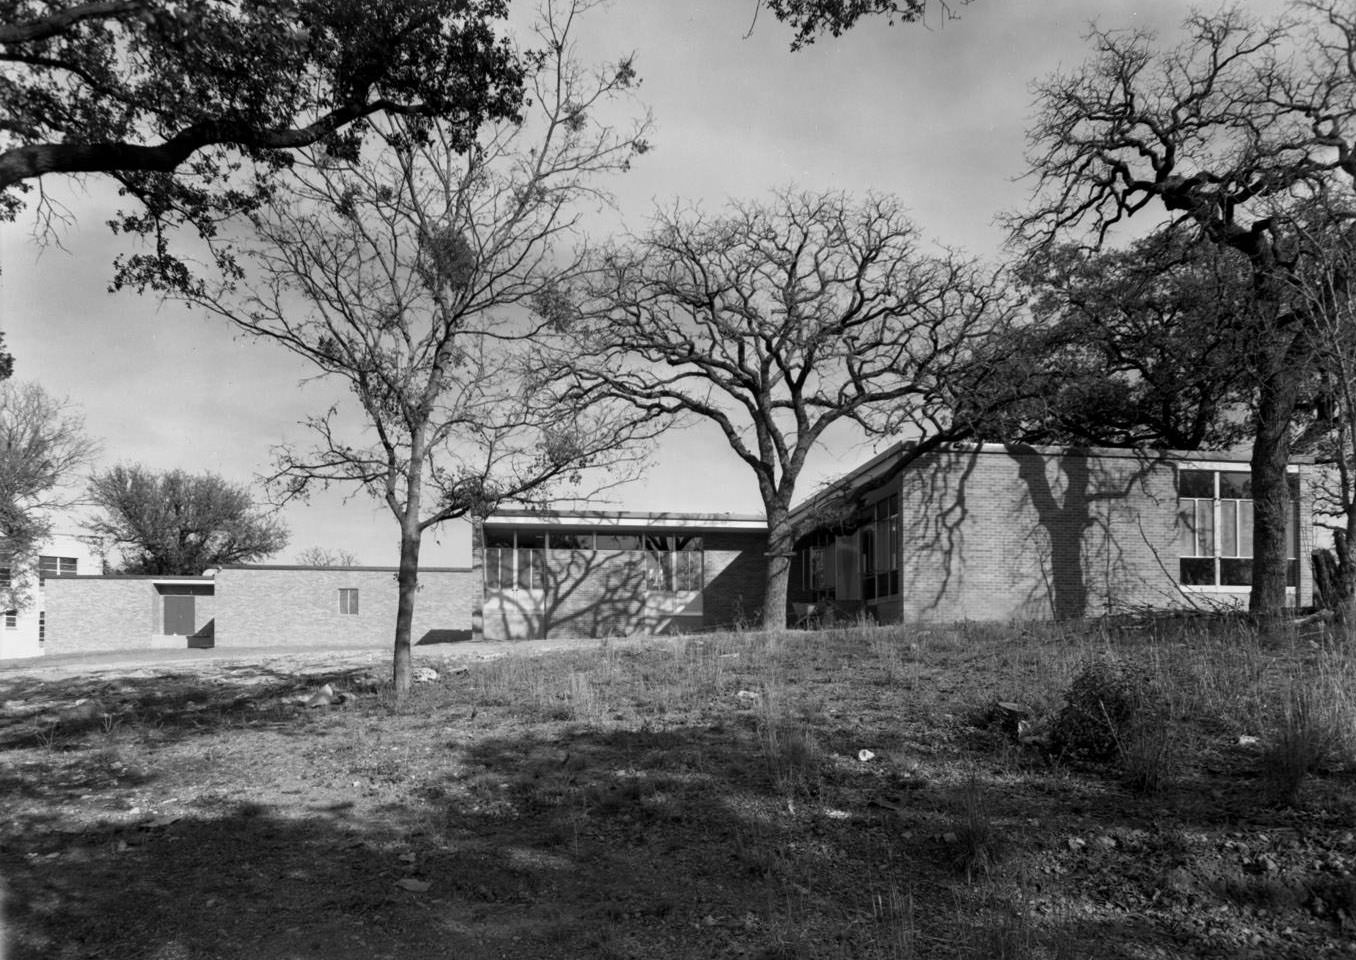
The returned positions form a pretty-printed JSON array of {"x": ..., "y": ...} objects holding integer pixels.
[{"x": 1101, "y": 708}]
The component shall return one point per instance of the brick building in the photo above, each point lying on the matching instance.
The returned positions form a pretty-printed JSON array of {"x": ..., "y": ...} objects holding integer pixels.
[
  {"x": 598, "y": 573},
  {"x": 254, "y": 606},
  {"x": 1006, "y": 531},
  {"x": 968, "y": 531}
]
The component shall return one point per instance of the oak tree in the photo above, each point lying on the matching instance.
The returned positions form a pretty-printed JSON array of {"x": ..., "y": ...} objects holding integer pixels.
[
  {"x": 775, "y": 321},
  {"x": 1222, "y": 134},
  {"x": 194, "y": 106},
  {"x": 180, "y": 523}
]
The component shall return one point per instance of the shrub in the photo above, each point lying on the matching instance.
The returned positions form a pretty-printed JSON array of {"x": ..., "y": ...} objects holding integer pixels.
[{"x": 1101, "y": 707}]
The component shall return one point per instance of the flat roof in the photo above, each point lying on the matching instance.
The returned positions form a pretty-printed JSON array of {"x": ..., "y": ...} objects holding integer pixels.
[
  {"x": 336, "y": 568},
  {"x": 153, "y": 577},
  {"x": 627, "y": 520}
]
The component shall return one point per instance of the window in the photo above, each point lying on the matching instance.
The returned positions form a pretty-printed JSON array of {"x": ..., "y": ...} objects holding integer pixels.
[
  {"x": 11, "y": 619},
  {"x": 515, "y": 559},
  {"x": 6, "y": 578},
  {"x": 348, "y": 600},
  {"x": 879, "y": 543},
  {"x": 1215, "y": 522},
  {"x": 56, "y": 566},
  {"x": 673, "y": 564},
  {"x": 42, "y": 626}
]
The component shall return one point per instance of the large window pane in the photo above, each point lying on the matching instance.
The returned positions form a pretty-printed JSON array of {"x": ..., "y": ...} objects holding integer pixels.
[
  {"x": 1205, "y": 528},
  {"x": 1235, "y": 572},
  {"x": 1198, "y": 572},
  {"x": 1196, "y": 483},
  {"x": 620, "y": 541},
  {"x": 1235, "y": 486},
  {"x": 1245, "y": 528},
  {"x": 498, "y": 537},
  {"x": 1228, "y": 528}
]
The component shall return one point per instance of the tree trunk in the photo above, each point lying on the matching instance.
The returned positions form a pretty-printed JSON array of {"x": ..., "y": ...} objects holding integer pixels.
[
  {"x": 1345, "y": 584},
  {"x": 1270, "y": 490},
  {"x": 408, "y": 584},
  {"x": 780, "y": 549}
]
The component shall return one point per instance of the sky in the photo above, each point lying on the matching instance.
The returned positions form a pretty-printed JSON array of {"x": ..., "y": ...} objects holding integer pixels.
[{"x": 935, "y": 114}]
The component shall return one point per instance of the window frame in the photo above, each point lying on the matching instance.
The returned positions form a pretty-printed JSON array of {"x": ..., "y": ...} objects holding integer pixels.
[
  {"x": 349, "y": 603},
  {"x": 1216, "y": 515}
]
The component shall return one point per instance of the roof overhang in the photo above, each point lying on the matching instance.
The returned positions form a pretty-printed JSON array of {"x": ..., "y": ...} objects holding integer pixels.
[{"x": 609, "y": 520}]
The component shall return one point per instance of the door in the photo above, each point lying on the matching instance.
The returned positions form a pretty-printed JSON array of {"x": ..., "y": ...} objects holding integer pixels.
[{"x": 179, "y": 616}]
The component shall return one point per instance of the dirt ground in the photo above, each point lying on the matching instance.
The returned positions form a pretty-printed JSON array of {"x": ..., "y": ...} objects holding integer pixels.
[
  {"x": 298, "y": 660},
  {"x": 839, "y": 795}
]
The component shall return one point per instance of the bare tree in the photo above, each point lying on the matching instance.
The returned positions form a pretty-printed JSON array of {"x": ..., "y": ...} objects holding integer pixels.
[
  {"x": 325, "y": 557},
  {"x": 408, "y": 276},
  {"x": 42, "y": 448},
  {"x": 1223, "y": 133},
  {"x": 775, "y": 322}
]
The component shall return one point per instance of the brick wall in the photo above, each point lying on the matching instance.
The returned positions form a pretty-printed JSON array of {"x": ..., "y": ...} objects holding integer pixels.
[
  {"x": 100, "y": 614},
  {"x": 735, "y": 572},
  {"x": 1032, "y": 534},
  {"x": 262, "y": 606}
]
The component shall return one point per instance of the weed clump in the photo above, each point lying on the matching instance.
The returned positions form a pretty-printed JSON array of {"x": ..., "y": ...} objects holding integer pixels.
[
  {"x": 1101, "y": 707},
  {"x": 1304, "y": 740}
]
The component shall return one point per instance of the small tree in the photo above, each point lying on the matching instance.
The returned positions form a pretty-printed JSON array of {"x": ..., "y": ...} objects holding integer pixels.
[
  {"x": 180, "y": 523},
  {"x": 777, "y": 321},
  {"x": 42, "y": 448},
  {"x": 408, "y": 275}
]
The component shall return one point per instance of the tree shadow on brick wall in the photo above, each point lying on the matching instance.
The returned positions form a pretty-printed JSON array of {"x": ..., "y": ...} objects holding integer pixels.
[
  {"x": 935, "y": 489},
  {"x": 583, "y": 593},
  {"x": 1091, "y": 498}
]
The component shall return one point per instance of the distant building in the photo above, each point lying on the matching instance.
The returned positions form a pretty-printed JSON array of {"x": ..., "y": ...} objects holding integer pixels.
[
  {"x": 253, "y": 606},
  {"x": 24, "y": 631}
]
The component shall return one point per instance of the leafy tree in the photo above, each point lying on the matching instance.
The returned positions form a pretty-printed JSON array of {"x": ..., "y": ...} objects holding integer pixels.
[
  {"x": 180, "y": 523},
  {"x": 6, "y": 360},
  {"x": 194, "y": 106},
  {"x": 812, "y": 18},
  {"x": 408, "y": 275},
  {"x": 324, "y": 557},
  {"x": 1226, "y": 134},
  {"x": 42, "y": 447},
  {"x": 1140, "y": 347},
  {"x": 776, "y": 321}
]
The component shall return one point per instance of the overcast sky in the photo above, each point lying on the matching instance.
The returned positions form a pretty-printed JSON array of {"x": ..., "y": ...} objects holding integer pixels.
[{"x": 935, "y": 115}]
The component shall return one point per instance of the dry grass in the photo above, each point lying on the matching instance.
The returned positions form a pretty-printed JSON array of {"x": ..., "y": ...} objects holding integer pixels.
[{"x": 701, "y": 797}]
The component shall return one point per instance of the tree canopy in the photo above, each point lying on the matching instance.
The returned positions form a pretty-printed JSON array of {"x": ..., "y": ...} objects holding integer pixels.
[
  {"x": 180, "y": 523},
  {"x": 1138, "y": 347},
  {"x": 1227, "y": 134},
  {"x": 193, "y": 105},
  {"x": 775, "y": 321}
]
